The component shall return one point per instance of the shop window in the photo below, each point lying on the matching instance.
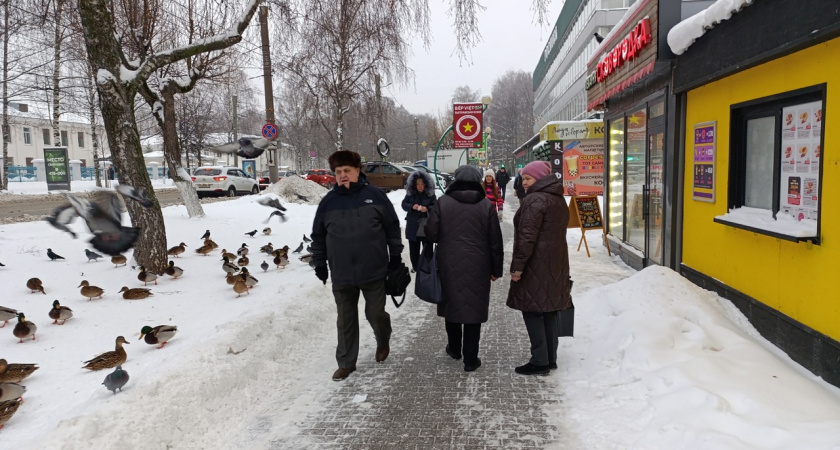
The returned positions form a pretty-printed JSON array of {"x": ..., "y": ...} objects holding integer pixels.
[
  {"x": 27, "y": 135},
  {"x": 635, "y": 167},
  {"x": 616, "y": 177},
  {"x": 46, "y": 133},
  {"x": 775, "y": 165}
]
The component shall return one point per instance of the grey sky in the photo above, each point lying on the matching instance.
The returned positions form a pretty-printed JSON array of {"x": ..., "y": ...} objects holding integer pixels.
[{"x": 510, "y": 41}]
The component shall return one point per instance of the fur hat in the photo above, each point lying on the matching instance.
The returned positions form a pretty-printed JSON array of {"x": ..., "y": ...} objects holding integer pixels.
[
  {"x": 344, "y": 158},
  {"x": 489, "y": 173},
  {"x": 468, "y": 173},
  {"x": 537, "y": 169}
]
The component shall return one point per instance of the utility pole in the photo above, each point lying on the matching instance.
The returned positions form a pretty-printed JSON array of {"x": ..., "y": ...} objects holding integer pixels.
[
  {"x": 235, "y": 128},
  {"x": 376, "y": 126},
  {"x": 416, "y": 141},
  {"x": 269, "y": 91}
]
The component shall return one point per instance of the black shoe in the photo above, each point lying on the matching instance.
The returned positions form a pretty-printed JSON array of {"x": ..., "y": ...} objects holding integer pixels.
[
  {"x": 532, "y": 369},
  {"x": 472, "y": 367},
  {"x": 451, "y": 353},
  {"x": 552, "y": 366}
]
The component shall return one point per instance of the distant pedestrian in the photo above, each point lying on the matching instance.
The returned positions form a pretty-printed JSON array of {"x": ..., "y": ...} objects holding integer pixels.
[
  {"x": 470, "y": 255},
  {"x": 539, "y": 269},
  {"x": 112, "y": 174},
  {"x": 491, "y": 191},
  {"x": 517, "y": 185},
  {"x": 419, "y": 197},
  {"x": 503, "y": 178},
  {"x": 357, "y": 232}
]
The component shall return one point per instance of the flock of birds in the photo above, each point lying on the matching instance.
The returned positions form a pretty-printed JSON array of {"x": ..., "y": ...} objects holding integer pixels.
[{"x": 110, "y": 237}]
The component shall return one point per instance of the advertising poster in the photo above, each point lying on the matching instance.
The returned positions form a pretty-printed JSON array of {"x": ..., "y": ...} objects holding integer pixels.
[
  {"x": 800, "y": 160},
  {"x": 250, "y": 168},
  {"x": 578, "y": 148},
  {"x": 467, "y": 123},
  {"x": 58, "y": 169},
  {"x": 703, "y": 186}
]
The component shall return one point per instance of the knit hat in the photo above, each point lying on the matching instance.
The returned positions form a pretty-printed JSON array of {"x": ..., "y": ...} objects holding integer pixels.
[
  {"x": 344, "y": 158},
  {"x": 489, "y": 173},
  {"x": 468, "y": 173},
  {"x": 537, "y": 169}
]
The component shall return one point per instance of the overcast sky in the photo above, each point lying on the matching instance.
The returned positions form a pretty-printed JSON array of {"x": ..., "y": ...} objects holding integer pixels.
[{"x": 510, "y": 41}]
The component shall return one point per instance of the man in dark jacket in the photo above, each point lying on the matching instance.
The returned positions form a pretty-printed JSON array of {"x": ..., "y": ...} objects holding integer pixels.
[
  {"x": 357, "y": 232},
  {"x": 502, "y": 178},
  {"x": 517, "y": 185}
]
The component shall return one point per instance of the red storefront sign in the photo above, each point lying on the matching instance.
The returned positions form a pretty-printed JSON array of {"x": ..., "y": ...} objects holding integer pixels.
[
  {"x": 467, "y": 123},
  {"x": 626, "y": 50}
]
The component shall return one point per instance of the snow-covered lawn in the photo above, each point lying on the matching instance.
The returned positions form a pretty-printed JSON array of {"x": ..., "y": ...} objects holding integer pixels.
[{"x": 40, "y": 187}]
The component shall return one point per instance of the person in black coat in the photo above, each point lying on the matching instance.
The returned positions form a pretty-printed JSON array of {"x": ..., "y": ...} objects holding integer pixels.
[
  {"x": 517, "y": 185},
  {"x": 469, "y": 256},
  {"x": 419, "y": 197},
  {"x": 502, "y": 178}
]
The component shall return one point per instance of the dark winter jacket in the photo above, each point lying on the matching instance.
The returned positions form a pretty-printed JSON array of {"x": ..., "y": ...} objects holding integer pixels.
[
  {"x": 356, "y": 230},
  {"x": 427, "y": 198},
  {"x": 470, "y": 250},
  {"x": 502, "y": 177},
  {"x": 517, "y": 186},
  {"x": 540, "y": 251}
]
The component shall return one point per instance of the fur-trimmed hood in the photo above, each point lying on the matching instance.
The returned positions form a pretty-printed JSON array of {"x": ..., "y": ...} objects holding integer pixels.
[{"x": 411, "y": 183}]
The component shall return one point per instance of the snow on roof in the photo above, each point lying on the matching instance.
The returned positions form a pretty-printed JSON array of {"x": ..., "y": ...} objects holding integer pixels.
[
  {"x": 37, "y": 109},
  {"x": 683, "y": 34}
]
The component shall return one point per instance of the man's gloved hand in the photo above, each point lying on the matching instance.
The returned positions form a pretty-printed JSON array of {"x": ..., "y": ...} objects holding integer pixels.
[
  {"x": 394, "y": 263},
  {"x": 322, "y": 273}
]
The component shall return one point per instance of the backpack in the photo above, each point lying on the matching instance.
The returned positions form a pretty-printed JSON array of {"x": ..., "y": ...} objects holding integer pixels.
[{"x": 396, "y": 282}]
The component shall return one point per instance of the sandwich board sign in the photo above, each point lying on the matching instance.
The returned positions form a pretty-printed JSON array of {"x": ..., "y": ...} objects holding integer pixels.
[{"x": 585, "y": 213}]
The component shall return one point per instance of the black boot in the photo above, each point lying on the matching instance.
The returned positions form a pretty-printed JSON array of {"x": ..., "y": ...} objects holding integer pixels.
[
  {"x": 452, "y": 354},
  {"x": 472, "y": 367},
  {"x": 532, "y": 369}
]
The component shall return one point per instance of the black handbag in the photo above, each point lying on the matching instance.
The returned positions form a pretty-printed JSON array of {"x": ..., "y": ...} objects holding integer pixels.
[
  {"x": 396, "y": 282},
  {"x": 421, "y": 226},
  {"x": 427, "y": 285}
]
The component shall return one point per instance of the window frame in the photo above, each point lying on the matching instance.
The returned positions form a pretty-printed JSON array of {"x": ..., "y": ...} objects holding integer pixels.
[
  {"x": 80, "y": 138},
  {"x": 65, "y": 138},
  {"x": 27, "y": 135},
  {"x": 46, "y": 134}
]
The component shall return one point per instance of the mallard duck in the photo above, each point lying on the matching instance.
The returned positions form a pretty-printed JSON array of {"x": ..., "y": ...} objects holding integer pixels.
[
  {"x": 8, "y": 409},
  {"x": 61, "y": 313},
  {"x": 177, "y": 250},
  {"x": 228, "y": 266},
  {"x": 7, "y": 314},
  {"x": 211, "y": 243},
  {"x": 34, "y": 285},
  {"x": 108, "y": 360},
  {"x": 119, "y": 260},
  {"x": 116, "y": 380},
  {"x": 24, "y": 328},
  {"x": 90, "y": 291},
  {"x": 204, "y": 250},
  {"x": 239, "y": 286},
  {"x": 226, "y": 254},
  {"x": 284, "y": 251},
  {"x": 243, "y": 251},
  {"x": 15, "y": 372},
  {"x": 135, "y": 293},
  {"x": 266, "y": 231},
  {"x": 267, "y": 248},
  {"x": 160, "y": 334},
  {"x": 10, "y": 390},
  {"x": 250, "y": 281},
  {"x": 173, "y": 271},
  {"x": 280, "y": 260},
  {"x": 243, "y": 261},
  {"x": 231, "y": 277},
  {"x": 146, "y": 277}
]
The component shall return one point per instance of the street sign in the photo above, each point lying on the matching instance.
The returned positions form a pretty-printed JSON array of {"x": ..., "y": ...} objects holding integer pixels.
[
  {"x": 312, "y": 154},
  {"x": 423, "y": 144},
  {"x": 467, "y": 119},
  {"x": 269, "y": 131}
]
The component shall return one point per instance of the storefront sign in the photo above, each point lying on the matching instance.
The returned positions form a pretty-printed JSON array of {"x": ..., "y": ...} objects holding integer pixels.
[
  {"x": 626, "y": 50},
  {"x": 57, "y": 168},
  {"x": 801, "y": 153},
  {"x": 585, "y": 213},
  {"x": 704, "y": 162},
  {"x": 467, "y": 122},
  {"x": 581, "y": 129}
]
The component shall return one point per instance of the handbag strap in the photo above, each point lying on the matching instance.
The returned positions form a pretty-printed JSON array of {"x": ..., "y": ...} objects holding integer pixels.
[{"x": 394, "y": 299}]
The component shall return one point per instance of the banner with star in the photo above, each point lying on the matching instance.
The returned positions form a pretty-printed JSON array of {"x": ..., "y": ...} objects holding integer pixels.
[{"x": 467, "y": 122}]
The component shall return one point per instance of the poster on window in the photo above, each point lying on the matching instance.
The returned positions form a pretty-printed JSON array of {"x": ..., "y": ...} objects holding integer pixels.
[
  {"x": 800, "y": 160},
  {"x": 704, "y": 162}
]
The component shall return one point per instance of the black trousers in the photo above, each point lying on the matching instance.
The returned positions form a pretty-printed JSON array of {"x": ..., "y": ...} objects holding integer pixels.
[
  {"x": 414, "y": 250},
  {"x": 347, "y": 322},
  {"x": 503, "y": 188},
  {"x": 471, "y": 333},
  {"x": 542, "y": 331}
]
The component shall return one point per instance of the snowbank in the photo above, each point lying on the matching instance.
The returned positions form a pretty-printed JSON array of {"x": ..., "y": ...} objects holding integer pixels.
[{"x": 295, "y": 189}]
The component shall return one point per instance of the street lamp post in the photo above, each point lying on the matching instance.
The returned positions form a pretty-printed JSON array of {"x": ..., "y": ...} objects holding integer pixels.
[{"x": 416, "y": 141}]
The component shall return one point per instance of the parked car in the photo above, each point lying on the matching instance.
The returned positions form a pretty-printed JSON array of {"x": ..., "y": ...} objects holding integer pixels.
[
  {"x": 223, "y": 180},
  {"x": 265, "y": 179},
  {"x": 384, "y": 175},
  {"x": 323, "y": 177},
  {"x": 443, "y": 177}
]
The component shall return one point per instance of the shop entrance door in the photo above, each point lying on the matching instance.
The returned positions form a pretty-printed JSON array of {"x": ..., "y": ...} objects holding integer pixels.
[{"x": 653, "y": 195}]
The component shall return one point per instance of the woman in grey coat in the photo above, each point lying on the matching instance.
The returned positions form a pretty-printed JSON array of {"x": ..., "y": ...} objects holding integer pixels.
[{"x": 470, "y": 255}]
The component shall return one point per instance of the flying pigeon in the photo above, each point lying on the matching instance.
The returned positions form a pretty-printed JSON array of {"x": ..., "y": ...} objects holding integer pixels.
[
  {"x": 300, "y": 247},
  {"x": 116, "y": 380},
  {"x": 251, "y": 233},
  {"x": 248, "y": 148},
  {"x": 306, "y": 239},
  {"x": 139, "y": 194},
  {"x": 53, "y": 256},
  {"x": 104, "y": 221},
  {"x": 206, "y": 235},
  {"x": 62, "y": 216},
  {"x": 271, "y": 202},
  {"x": 276, "y": 213},
  {"x": 2, "y": 265},
  {"x": 92, "y": 256}
]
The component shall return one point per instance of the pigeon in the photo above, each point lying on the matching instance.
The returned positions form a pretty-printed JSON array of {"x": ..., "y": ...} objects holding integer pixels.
[
  {"x": 251, "y": 233},
  {"x": 307, "y": 258},
  {"x": 92, "y": 256},
  {"x": 206, "y": 235},
  {"x": 62, "y": 216},
  {"x": 264, "y": 266},
  {"x": 266, "y": 231},
  {"x": 302, "y": 198},
  {"x": 53, "y": 256},
  {"x": 306, "y": 239},
  {"x": 309, "y": 249},
  {"x": 2, "y": 265},
  {"x": 273, "y": 203},
  {"x": 248, "y": 148},
  {"x": 104, "y": 219},
  {"x": 276, "y": 213},
  {"x": 116, "y": 380},
  {"x": 138, "y": 194},
  {"x": 300, "y": 247}
]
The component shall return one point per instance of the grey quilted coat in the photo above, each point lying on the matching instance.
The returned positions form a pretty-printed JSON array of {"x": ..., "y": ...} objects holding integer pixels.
[
  {"x": 466, "y": 228},
  {"x": 540, "y": 251}
]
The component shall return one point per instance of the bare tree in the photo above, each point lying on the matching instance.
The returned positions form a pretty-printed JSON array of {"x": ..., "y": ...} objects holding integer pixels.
[{"x": 511, "y": 114}]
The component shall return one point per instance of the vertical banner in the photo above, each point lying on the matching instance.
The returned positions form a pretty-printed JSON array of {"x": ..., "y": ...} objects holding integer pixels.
[
  {"x": 555, "y": 157},
  {"x": 801, "y": 153},
  {"x": 704, "y": 162},
  {"x": 249, "y": 166},
  {"x": 467, "y": 119},
  {"x": 57, "y": 168}
]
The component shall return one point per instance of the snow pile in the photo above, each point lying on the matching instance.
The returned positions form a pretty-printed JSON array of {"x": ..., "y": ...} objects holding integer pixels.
[
  {"x": 689, "y": 30},
  {"x": 298, "y": 190},
  {"x": 762, "y": 219}
]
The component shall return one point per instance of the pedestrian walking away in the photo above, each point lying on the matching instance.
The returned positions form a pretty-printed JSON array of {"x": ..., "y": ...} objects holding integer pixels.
[
  {"x": 503, "y": 178},
  {"x": 539, "y": 270},
  {"x": 356, "y": 236},
  {"x": 470, "y": 256},
  {"x": 491, "y": 191},
  {"x": 419, "y": 197},
  {"x": 517, "y": 185}
]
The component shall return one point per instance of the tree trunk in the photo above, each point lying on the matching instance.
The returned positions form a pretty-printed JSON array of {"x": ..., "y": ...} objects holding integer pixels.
[
  {"x": 59, "y": 12},
  {"x": 116, "y": 98},
  {"x": 91, "y": 91},
  {"x": 4, "y": 128},
  {"x": 172, "y": 153}
]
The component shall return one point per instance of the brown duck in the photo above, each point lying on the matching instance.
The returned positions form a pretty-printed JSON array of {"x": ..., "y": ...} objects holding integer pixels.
[
  {"x": 90, "y": 291},
  {"x": 231, "y": 277},
  {"x": 8, "y": 409},
  {"x": 61, "y": 313},
  {"x": 211, "y": 243},
  {"x": 226, "y": 254},
  {"x": 177, "y": 250},
  {"x": 243, "y": 261},
  {"x": 15, "y": 372},
  {"x": 135, "y": 293},
  {"x": 119, "y": 260},
  {"x": 109, "y": 360},
  {"x": 204, "y": 250},
  {"x": 240, "y": 286},
  {"x": 34, "y": 285},
  {"x": 24, "y": 328}
]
